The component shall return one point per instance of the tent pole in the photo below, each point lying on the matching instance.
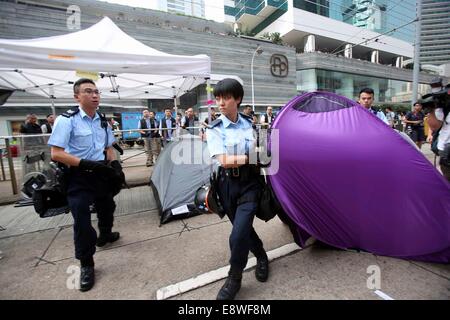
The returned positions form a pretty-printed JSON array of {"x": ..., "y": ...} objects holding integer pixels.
[
  {"x": 52, "y": 99},
  {"x": 53, "y": 106},
  {"x": 208, "y": 95},
  {"x": 175, "y": 101}
]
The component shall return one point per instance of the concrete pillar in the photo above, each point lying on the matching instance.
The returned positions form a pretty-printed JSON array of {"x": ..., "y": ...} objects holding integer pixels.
[
  {"x": 310, "y": 43},
  {"x": 374, "y": 56},
  {"x": 348, "y": 51},
  {"x": 399, "y": 62}
]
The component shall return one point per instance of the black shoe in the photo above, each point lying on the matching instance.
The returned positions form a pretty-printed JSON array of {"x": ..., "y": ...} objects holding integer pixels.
[
  {"x": 87, "y": 278},
  {"x": 229, "y": 289},
  {"x": 262, "y": 269},
  {"x": 105, "y": 238}
]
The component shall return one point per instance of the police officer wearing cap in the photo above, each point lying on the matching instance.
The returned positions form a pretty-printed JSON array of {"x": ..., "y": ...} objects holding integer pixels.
[
  {"x": 82, "y": 140},
  {"x": 230, "y": 140}
]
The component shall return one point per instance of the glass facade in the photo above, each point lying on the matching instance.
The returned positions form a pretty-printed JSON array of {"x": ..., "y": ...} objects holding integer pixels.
[
  {"x": 252, "y": 7},
  {"x": 349, "y": 85},
  {"x": 376, "y": 15}
]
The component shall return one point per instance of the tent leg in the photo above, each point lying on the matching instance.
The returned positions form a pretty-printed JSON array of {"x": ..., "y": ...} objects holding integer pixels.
[
  {"x": 175, "y": 107},
  {"x": 53, "y": 107},
  {"x": 208, "y": 94}
]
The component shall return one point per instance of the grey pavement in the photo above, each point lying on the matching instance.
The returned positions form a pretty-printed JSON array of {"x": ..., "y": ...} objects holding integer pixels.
[{"x": 36, "y": 259}]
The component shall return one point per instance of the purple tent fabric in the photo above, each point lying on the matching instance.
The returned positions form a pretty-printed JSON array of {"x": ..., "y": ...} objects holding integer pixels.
[{"x": 350, "y": 181}]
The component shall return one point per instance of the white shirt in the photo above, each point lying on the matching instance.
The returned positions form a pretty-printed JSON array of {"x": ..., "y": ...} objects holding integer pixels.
[
  {"x": 44, "y": 128},
  {"x": 444, "y": 134}
]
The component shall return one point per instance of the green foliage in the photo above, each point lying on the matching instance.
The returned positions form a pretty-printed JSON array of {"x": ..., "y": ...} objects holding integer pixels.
[{"x": 275, "y": 37}]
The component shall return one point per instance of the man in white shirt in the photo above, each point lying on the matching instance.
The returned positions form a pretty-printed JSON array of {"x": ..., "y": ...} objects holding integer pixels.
[
  {"x": 48, "y": 127},
  {"x": 366, "y": 98},
  {"x": 268, "y": 117}
]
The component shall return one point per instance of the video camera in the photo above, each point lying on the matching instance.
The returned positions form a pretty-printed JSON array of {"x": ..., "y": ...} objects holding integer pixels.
[{"x": 438, "y": 98}]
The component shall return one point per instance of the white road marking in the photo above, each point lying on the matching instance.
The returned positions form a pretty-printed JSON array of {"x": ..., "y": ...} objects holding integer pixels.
[
  {"x": 383, "y": 295},
  {"x": 218, "y": 274}
]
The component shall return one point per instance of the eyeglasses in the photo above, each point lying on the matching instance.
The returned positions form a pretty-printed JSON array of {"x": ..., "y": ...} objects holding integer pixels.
[{"x": 91, "y": 92}]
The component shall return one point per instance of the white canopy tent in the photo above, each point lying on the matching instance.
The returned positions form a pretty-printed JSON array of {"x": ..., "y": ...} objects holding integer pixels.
[{"x": 121, "y": 66}]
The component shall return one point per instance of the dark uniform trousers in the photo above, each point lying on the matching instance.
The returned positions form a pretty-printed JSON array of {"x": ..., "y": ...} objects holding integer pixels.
[
  {"x": 243, "y": 237},
  {"x": 84, "y": 189}
]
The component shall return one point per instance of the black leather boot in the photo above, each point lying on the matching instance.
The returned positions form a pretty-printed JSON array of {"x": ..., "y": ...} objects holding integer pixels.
[
  {"x": 87, "y": 278},
  {"x": 262, "y": 268},
  {"x": 231, "y": 287},
  {"x": 104, "y": 238},
  {"x": 87, "y": 275}
]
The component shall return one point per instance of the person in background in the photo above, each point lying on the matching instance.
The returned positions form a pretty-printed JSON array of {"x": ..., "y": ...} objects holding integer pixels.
[
  {"x": 48, "y": 127},
  {"x": 152, "y": 139},
  {"x": 366, "y": 99},
  {"x": 167, "y": 126},
  {"x": 415, "y": 125},
  {"x": 178, "y": 118},
  {"x": 30, "y": 126},
  {"x": 267, "y": 118},
  {"x": 188, "y": 122},
  {"x": 390, "y": 116}
]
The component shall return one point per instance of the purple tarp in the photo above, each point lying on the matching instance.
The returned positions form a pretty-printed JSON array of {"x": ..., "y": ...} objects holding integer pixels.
[{"x": 351, "y": 181}]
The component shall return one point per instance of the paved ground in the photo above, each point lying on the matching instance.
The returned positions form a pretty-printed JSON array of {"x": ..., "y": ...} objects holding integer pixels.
[{"x": 37, "y": 259}]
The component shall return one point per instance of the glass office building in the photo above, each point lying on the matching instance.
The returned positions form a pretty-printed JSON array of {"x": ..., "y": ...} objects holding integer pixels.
[
  {"x": 377, "y": 15},
  {"x": 387, "y": 91},
  {"x": 435, "y": 35}
]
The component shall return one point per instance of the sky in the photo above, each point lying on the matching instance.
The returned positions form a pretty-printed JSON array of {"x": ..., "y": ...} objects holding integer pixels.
[{"x": 213, "y": 8}]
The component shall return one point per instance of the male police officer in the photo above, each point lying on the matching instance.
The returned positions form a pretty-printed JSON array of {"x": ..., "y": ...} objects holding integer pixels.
[
  {"x": 78, "y": 140},
  {"x": 230, "y": 140}
]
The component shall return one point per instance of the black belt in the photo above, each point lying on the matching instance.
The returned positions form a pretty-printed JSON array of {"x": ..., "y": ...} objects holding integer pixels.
[{"x": 245, "y": 171}]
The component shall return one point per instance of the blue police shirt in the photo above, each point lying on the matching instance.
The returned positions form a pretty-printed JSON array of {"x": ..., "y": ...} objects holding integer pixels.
[
  {"x": 81, "y": 136},
  {"x": 230, "y": 138}
]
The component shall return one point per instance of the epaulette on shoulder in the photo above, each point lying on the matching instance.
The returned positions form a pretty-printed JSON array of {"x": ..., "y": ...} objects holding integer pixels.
[
  {"x": 246, "y": 117},
  {"x": 215, "y": 123},
  {"x": 71, "y": 112}
]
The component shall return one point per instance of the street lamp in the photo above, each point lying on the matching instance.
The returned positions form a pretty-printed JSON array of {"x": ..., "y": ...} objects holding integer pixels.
[{"x": 258, "y": 51}]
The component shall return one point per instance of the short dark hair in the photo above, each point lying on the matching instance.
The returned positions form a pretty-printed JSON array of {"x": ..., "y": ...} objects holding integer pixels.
[
  {"x": 417, "y": 102},
  {"x": 247, "y": 106},
  {"x": 229, "y": 87},
  {"x": 367, "y": 90},
  {"x": 389, "y": 108},
  {"x": 168, "y": 108},
  {"x": 79, "y": 82},
  {"x": 50, "y": 114}
]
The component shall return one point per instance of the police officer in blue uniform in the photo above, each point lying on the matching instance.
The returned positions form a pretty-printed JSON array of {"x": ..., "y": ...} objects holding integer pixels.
[
  {"x": 230, "y": 141},
  {"x": 82, "y": 140}
]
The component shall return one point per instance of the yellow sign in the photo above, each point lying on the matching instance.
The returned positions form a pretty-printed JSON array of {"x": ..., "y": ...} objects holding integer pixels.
[{"x": 87, "y": 74}]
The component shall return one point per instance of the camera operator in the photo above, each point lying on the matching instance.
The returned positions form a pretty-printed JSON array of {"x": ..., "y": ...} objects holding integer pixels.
[{"x": 439, "y": 118}]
